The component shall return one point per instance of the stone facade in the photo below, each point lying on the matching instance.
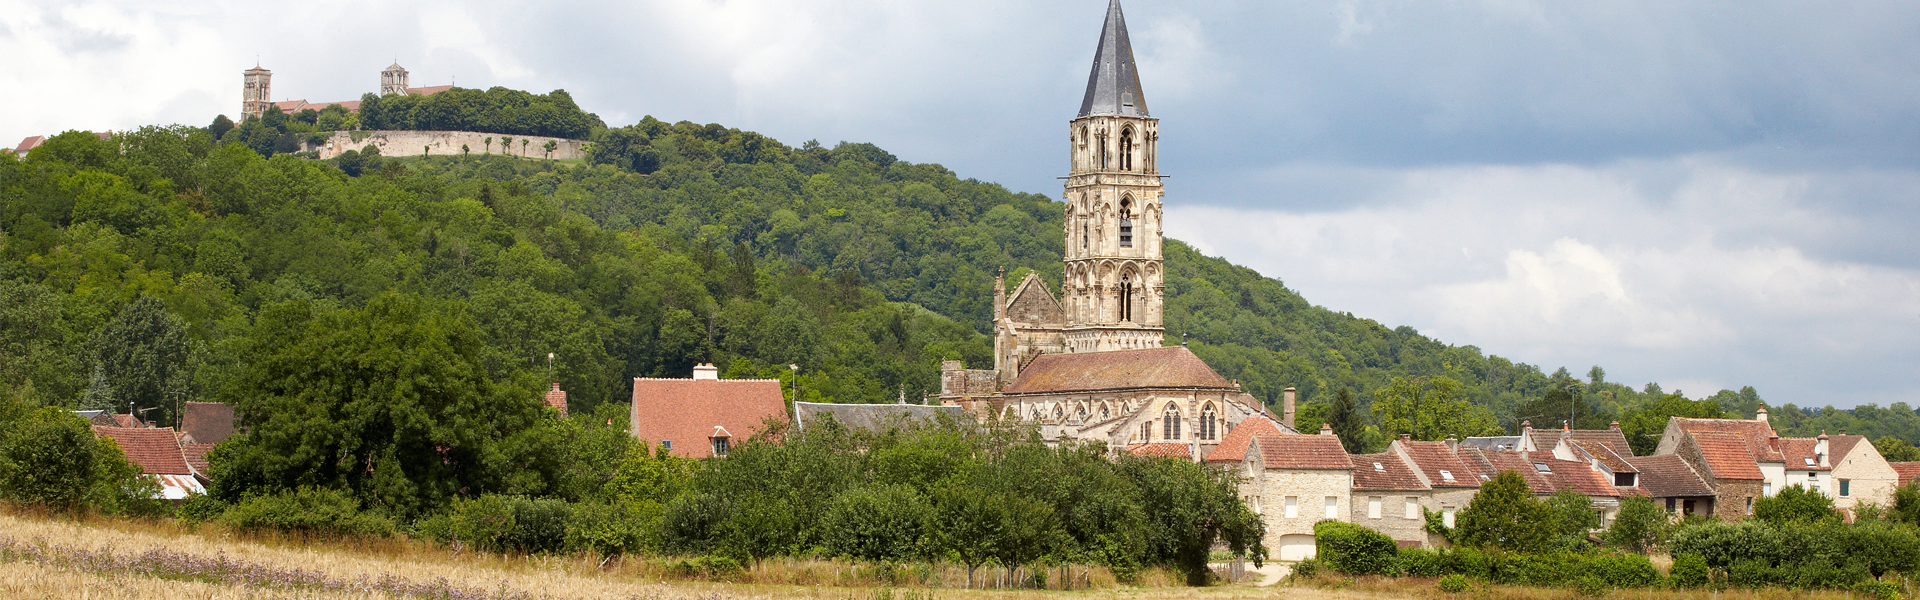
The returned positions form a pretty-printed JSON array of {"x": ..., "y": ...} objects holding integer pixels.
[
  {"x": 1386, "y": 511},
  {"x": 445, "y": 143},
  {"x": 1292, "y": 500},
  {"x": 1866, "y": 474},
  {"x": 1733, "y": 498},
  {"x": 257, "y": 92}
]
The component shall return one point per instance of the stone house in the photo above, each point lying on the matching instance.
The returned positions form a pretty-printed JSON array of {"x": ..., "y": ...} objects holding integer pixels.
[
  {"x": 1907, "y": 472},
  {"x": 1726, "y": 463},
  {"x": 1299, "y": 480},
  {"x": 1439, "y": 467},
  {"x": 1860, "y": 474},
  {"x": 1759, "y": 438},
  {"x": 208, "y": 422},
  {"x": 705, "y": 416},
  {"x": 1673, "y": 484},
  {"x": 1546, "y": 475},
  {"x": 157, "y": 450},
  {"x": 1389, "y": 498}
]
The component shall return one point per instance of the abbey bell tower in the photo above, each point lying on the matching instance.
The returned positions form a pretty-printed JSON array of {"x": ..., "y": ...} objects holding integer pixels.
[{"x": 1112, "y": 288}]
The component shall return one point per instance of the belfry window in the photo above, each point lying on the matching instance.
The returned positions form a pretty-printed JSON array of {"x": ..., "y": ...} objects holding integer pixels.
[
  {"x": 1126, "y": 297},
  {"x": 1126, "y": 223},
  {"x": 1126, "y": 149},
  {"x": 1170, "y": 423},
  {"x": 1103, "y": 151}
]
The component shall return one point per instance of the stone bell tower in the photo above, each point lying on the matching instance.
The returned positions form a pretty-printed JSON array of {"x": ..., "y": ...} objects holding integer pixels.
[
  {"x": 393, "y": 81},
  {"x": 1112, "y": 288},
  {"x": 258, "y": 93}
]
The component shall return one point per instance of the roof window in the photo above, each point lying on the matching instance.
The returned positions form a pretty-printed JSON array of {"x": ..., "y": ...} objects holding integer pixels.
[
  {"x": 1378, "y": 467},
  {"x": 1447, "y": 475},
  {"x": 1542, "y": 467},
  {"x": 1809, "y": 460}
]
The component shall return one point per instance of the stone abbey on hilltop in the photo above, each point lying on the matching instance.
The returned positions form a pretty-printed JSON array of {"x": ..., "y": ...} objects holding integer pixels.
[{"x": 1090, "y": 363}]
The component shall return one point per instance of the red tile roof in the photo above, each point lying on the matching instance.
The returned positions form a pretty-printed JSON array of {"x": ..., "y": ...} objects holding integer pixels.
[
  {"x": 685, "y": 411},
  {"x": 1610, "y": 437},
  {"x": 1906, "y": 470},
  {"x": 128, "y": 422},
  {"x": 1755, "y": 434},
  {"x": 1385, "y": 471},
  {"x": 1667, "y": 476},
  {"x": 1476, "y": 461},
  {"x": 153, "y": 448},
  {"x": 196, "y": 455},
  {"x": 429, "y": 90},
  {"x": 1433, "y": 457},
  {"x": 1605, "y": 454},
  {"x": 1161, "y": 449},
  {"x": 1839, "y": 446},
  {"x": 1575, "y": 475},
  {"x": 207, "y": 422},
  {"x": 1727, "y": 454},
  {"x": 1233, "y": 447},
  {"x": 1299, "y": 451},
  {"x": 1800, "y": 456},
  {"x": 1518, "y": 463},
  {"x": 1169, "y": 367},
  {"x": 28, "y": 144}
]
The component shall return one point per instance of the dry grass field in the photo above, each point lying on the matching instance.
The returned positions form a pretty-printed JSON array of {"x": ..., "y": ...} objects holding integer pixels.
[{"x": 48, "y": 557}]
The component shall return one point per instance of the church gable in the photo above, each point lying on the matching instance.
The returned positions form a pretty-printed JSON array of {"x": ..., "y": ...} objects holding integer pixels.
[{"x": 1033, "y": 303}]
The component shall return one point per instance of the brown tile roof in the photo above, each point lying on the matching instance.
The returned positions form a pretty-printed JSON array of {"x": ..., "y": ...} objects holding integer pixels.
[
  {"x": 196, "y": 455},
  {"x": 429, "y": 90},
  {"x": 1233, "y": 447},
  {"x": 127, "y": 422},
  {"x": 1161, "y": 449},
  {"x": 685, "y": 411},
  {"x": 1384, "y": 471},
  {"x": 1800, "y": 456},
  {"x": 1906, "y": 470},
  {"x": 1611, "y": 437},
  {"x": 207, "y": 422},
  {"x": 153, "y": 448},
  {"x": 1299, "y": 451},
  {"x": 1756, "y": 434},
  {"x": 1575, "y": 475},
  {"x": 557, "y": 398},
  {"x": 1519, "y": 463},
  {"x": 1606, "y": 455},
  {"x": 28, "y": 144},
  {"x": 1840, "y": 445},
  {"x": 1728, "y": 455},
  {"x": 1667, "y": 476},
  {"x": 1433, "y": 457},
  {"x": 1474, "y": 458},
  {"x": 1169, "y": 367}
]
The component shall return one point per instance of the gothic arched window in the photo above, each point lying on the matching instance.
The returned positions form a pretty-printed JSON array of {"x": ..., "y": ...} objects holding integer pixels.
[
  {"x": 1103, "y": 150},
  {"x": 1170, "y": 423},
  {"x": 1126, "y": 222},
  {"x": 1209, "y": 424},
  {"x": 1103, "y": 413},
  {"x": 1126, "y": 149},
  {"x": 1126, "y": 297}
]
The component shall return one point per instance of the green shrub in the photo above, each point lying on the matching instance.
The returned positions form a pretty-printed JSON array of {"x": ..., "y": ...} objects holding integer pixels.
[
  {"x": 877, "y": 523},
  {"x": 1591, "y": 585},
  {"x": 691, "y": 523},
  {"x": 1723, "y": 544},
  {"x": 709, "y": 567},
  {"x": 1454, "y": 584},
  {"x": 540, "y": 526},
  {"x": 1306, "y": 569},
  {"x": 200, "y": 508},
  {"x": 492, "y": 523},
  {"x": 1750, "y": 572},
  {"x": 1351, "y": 548},
  {"x": 1879, "y": 590},
  {"x": 1420, "y": 562},
  {"x": 618, "y": 528},
  {"x": 1690, "y": 571},
  {"x": 307, "y": 510},
  {"x": 1623, "y": 570}
]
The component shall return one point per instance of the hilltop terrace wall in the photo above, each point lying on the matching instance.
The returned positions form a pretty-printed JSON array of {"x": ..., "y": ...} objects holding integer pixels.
[{"x": 444, "y": 143}]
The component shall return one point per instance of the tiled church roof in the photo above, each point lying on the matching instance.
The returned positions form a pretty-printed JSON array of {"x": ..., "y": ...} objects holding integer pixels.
[{"x": 1169, "y": 367}]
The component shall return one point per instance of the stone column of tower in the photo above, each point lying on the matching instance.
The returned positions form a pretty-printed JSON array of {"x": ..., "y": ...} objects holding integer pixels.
[
  {"x": 258, "y": 93},
  {"x": 1112, "y": 286},
  {"x": 393, "y": 81}
]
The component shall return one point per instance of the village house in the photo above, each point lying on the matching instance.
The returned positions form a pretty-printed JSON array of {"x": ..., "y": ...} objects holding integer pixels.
[
  {"x": 1906, "y": 471},
  {"x": 1755, "y": 435},
  {"x": 1438, "y": 466},
  {"x": 1298, "y": 480},
  {"x": 1672, "y": 483},
  {"x": 157, "y": 451},
  {"x": 704, "y": 416},
  {"x": 1726, "y": 463},
  {"x": 1860, "y": 474},
  {"x": 1389, "y": 498}
]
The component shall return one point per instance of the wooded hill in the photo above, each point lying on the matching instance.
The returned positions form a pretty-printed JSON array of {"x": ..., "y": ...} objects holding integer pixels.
[{"x": 682, "y": 243}]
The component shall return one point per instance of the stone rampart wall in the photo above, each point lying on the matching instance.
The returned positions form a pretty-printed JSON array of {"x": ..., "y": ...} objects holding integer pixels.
[{"x": 446, "y": 143}]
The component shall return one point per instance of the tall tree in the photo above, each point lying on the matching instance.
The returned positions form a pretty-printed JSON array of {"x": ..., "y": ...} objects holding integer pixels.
[
  {"x": 146, "y": 356},
  {"x": 1429, "y": 409},
  {"x": 1504, "y": 515},
  {"x": 1346, "y": 421}
]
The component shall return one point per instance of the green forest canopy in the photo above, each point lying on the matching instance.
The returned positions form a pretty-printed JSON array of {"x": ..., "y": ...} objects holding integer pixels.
[{"x": 680, "y": 243}]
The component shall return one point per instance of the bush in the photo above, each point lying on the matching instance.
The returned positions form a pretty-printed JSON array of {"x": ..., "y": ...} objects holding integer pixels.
[
  {"x": 1455, "y": 584},
  {"x": 709, "y": 567},
  {"x": 1306, "y": 569},
  {"x": 1351, "y": 548},
  {"x": 692, "y": 522},
  {"x": 492, "y": 523},
  {"x": 1623, "y": 570},
  {"x": 200, "y": 508},
  {"x": 877, "y": 524},
  {"x": 1690, "y": 571},
  {"x": 1418, "y": 562},
  {"x": 307, "y": 510},
  {"x": 51, "y": 458},
  {"x": 618, "y": 528},
  {"x": 1590, "y": 585},
  {"x": 1879, "y": 590}
]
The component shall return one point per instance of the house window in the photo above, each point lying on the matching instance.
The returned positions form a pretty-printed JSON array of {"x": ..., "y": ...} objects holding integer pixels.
[
  {"x": 1446, "y": 475},
  {"x": 1623, "y": 480},
  {"x": 1413, "y": 507},
  {"x": 1333, "y": 507},
  {"x": 1256, "y": 505},
  {"x": 1766, "y": 489},
  {"x": 1749, "y": 504},
  {"x": 1686, "y": 507},
  {"x": 1670, "y": 505},
  {"x": 1373, "y": 507},
  {"x": 1170, "y": 423},
  {"x": 1293, "y": 506},
  {"x": 1379, "y": 468},
  {"x": 720, "y": 446},
  {"x": 1542, "y": 467},
  {"x": 666, "y": 444},
  {"x": 1846, "y": 487},
  {"x": 1809, "y": 460}
]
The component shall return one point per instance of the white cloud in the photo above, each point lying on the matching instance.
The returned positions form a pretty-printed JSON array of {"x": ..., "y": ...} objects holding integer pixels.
[{"x": 1696, "y": 280}]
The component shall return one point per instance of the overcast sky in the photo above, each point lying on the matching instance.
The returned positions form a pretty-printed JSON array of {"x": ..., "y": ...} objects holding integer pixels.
[{"x": 1703, "y": 194}]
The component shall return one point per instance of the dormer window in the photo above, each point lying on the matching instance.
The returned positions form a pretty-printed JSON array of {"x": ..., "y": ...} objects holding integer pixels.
[
  {"x": 1447, "y": 475},
  {"x": 1542, "y": 467},
  {"x": 1623, "y": 480},
  {"x": 720, "y": 447}
]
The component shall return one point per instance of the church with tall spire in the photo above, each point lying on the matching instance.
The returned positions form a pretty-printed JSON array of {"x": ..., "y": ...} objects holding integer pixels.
[{"x": 1091, "y": 363}]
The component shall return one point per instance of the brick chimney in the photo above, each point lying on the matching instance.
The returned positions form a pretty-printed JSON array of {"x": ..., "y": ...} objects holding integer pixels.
[
  {"x": 1287, "y": 398},
  {"x": 706, "y": 371},
  {"x": 557, "y": 398}
]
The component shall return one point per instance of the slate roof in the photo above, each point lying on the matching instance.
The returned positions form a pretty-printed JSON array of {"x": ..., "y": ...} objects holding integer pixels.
[
  {"x": 1233, "y": 446},
  {"x": 874, "y": 417},
  {"x": 1667, "y": 476},
  {"x": 1727, "y": 454},
  {"x": 1906, "y": 470},
  {"x": 1433, "y": 457},
  {"x": 1113, "y": 88},
  {"x": 1169, "y": 367},
  {"x": 207, "y": 422},
  {"x": 1300, "y": 451},
  {"x": 1391, "y": 473},
  {"x": 153, "y": 448},
  {"x": 1755, "y": 434},
  {"x": 1606, "y": 455},
  {"x": 1161, "y": 449},
  {"x": 685, "y": 411},
  {"x": 1800, "y": 455},
  {"x": 196, "y": 455}
]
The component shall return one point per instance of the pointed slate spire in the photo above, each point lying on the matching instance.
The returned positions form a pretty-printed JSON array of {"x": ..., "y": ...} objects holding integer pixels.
[{"x": 1114, "y": 86}]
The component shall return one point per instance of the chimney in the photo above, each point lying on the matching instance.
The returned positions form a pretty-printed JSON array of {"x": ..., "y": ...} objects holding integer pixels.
[
  {"x": 1760, "y": 415},
  {"x": 1326, "y": 429},
  {"x": 1405, "y": 438},
  {"x": 1000, "y": 295},
  {"x": 706, "y": 371},
  {"x": 1286, "y": 407},
  {"x": 1820, "y": 449},
  {"x": 557, "y": 398},
  {"x": 1614, "y": 426},
  {"x": 1453, "y": 443}
]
